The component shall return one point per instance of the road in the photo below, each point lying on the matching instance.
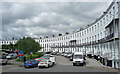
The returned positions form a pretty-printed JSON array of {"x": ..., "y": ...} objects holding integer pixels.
[{"x": 62, "y": 65}]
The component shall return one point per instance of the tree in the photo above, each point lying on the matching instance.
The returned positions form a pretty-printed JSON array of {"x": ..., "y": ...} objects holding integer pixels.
[
  {"x": 10, "y": 46},
  {"x": 28, "y": 45}
]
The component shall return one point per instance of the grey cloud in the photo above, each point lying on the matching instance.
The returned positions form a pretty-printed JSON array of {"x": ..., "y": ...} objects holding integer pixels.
[{"x": 36, "y": 19}]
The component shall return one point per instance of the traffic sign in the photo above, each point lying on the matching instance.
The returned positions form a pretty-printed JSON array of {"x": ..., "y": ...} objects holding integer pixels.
[{"x": 20, "y": 52}]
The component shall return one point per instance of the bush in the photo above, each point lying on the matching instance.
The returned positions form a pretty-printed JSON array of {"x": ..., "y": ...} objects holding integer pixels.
[
  {"x": 18, "y": 60},
  {"x": 33, "y": 56},
  {"x": 39, "y": 54},
  {"x": 28, "y": 57}
]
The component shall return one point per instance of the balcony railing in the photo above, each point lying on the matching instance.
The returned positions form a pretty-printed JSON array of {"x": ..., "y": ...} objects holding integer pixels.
[
  {"x": 110, "y": 36},
  {"x": 103, "y": 40}
]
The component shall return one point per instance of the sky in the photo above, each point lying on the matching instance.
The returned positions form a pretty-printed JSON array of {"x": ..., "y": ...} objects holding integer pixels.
[{"x": 36, "y": 19}]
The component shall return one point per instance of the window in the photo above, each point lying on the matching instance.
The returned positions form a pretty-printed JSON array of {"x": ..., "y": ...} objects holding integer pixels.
[
  {"x": 80, "y": 34},
  {"x": 110, "y": 15},
  {"x": 95, "y": 27},
  {"x": 101, "y": 34},
  {"x": 95, "y": 37},
  {"x": 87, "y": 30},
  {"x": 101, "y": 23},
  {"x": 104, "y": 20},
  {"x": 92, "y": 29},
  {"x": 107, "y": 18},
  {"x": 98, "y": 36},
  {"x": 98, "y": 25},
  {"x": 90, "y": 39}
]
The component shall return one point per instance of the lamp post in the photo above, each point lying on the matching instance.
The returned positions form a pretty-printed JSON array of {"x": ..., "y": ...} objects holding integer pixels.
[
  {"x": 113, "y": 34},
  {"x": 119, "y": 34}
]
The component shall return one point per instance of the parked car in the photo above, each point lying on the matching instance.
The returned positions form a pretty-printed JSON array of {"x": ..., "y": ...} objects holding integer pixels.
[
  {"x": 71, "y": 57},
  {"x": 45, "y": 63},
  {"x": 58, "y": 53},
  {"x": 12, "y": 56},
  {"x": 20, "y": 55},
  {"x": 31, "y": 63},
  {"x": 78, "y": 58},
  {"x": 50, "y": 57},
  {"x": 3, "y": 59},
  {"x": 62, "y": 53},
  {"x": 53, "y": 53},
  {"x": 39, "y": 59},
  {"x": 65, "y": 54}
]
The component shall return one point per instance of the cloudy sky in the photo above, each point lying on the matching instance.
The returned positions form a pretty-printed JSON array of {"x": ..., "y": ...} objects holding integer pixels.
[{"x": 37, "y": 19}]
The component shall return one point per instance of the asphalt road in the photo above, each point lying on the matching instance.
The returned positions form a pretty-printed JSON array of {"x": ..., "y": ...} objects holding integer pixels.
[{"x": 62, "y": 65}]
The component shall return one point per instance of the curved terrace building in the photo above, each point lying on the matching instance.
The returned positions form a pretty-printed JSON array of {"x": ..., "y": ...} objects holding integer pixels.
[{"x": 99, "y": 39}]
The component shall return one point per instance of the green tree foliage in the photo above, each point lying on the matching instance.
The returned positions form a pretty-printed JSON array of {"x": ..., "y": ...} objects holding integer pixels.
[{"x": 28, "y": 45}]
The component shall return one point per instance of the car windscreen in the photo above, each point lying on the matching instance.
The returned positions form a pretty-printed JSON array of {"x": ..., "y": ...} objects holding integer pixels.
[
  {"x": 43, "y": 61},
  {"x": 78, "y": 56},
  {"x": 10, "y": 54},
  {"x": 30, "y": 61}
]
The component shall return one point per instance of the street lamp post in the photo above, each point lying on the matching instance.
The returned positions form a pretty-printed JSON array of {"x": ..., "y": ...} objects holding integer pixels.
[
  {"x": 119, "y": 34},
  {"x": 113, "y": 35}
]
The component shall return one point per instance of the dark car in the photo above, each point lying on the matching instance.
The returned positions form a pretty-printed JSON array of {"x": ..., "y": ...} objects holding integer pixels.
[
  {"x": 31, "y": 63},
  {"x": 71, "y": 58},
  {"x": 54, "y": 53},
  {"x": 58, "y": 53}
]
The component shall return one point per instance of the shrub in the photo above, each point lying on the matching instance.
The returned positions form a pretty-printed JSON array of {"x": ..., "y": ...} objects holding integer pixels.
[
  {"x": 28, "y": 57},
  {"x": 39, "y": 54},
  {"x": 33, "y": 56},
  {"x": 18, "y": 60}
]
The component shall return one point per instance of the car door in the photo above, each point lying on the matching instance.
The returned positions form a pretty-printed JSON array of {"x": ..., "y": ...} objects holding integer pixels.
[
  {"x": 33, "y": 62},
  {"x": 52, "y": 58},
  {"x": 50, "y": 63}
]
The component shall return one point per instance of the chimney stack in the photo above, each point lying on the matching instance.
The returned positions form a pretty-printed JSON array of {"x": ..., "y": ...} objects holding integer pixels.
[
  {"x": 60, "y": 34},
  {"x": 66, "y": 33}
]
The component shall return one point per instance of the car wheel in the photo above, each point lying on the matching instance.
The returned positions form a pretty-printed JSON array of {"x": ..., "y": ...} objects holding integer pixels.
[
  {"x": 82, "y": 64},
  {"x": 73, "y": 64},
  {"x": 48, "y": 65},
  {"x": 6, "y": 62},
  {"x": 53, "y": 63}
]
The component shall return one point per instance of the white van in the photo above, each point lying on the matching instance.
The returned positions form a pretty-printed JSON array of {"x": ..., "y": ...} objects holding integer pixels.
[{"x": 78, "y": 58}]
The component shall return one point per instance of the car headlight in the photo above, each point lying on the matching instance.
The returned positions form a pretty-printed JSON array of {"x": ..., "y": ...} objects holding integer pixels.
[{"x": 81, "y": 61}]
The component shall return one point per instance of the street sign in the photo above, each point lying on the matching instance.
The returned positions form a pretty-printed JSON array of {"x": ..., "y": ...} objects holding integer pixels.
[{"x": 20, "y": 52}]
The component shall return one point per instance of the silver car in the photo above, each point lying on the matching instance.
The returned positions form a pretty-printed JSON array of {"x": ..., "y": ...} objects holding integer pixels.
[
  {"x": 3, "y": 59},
  {"x": 12, "y": 56}
]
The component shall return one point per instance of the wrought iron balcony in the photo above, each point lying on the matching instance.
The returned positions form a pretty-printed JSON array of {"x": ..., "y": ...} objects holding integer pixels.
[
  {"x": 102, "y": 40},
  {"x": 110, "y": 36}
]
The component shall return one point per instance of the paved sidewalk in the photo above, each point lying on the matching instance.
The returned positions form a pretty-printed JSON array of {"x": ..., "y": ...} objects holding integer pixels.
[
  {"x": 16, "y": 63},
  {"x": 94, "y": 64}
]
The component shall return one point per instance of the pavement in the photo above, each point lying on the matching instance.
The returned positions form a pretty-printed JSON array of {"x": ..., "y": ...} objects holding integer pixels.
[
  {"x": 92, "y": 63},
  {"x": 16, "y": 63},
  {"x": 62, "y": 65}
]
